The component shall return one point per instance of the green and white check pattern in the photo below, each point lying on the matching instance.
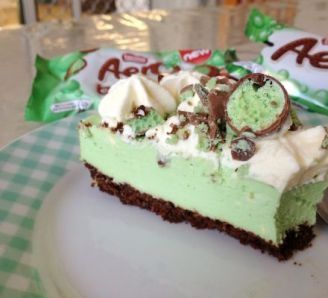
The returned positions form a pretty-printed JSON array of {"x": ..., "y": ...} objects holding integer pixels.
[{"x": 29, "y": 168}]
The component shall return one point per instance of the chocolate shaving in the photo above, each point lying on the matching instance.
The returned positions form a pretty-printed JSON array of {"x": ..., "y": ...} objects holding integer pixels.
[
  {"x": 213, "y": 129},
  {"x": 216, "y": 109},
  {"x": 194, "y": 118},
  {"x": 216, "y": 104},
  {"x": 242, "y": 148},
  {"x": 202, "y": 92}
]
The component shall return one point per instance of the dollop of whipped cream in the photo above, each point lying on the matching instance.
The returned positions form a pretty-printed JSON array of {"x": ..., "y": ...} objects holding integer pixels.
[
  {"x": 128, "y": 94},
  {"x": 176, "y": 81},
  {"x": 298, "y": 153},
  {"x": 186, "y": 147}
]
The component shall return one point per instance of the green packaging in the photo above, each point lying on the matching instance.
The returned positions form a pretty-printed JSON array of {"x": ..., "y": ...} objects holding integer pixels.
[
  {"x": 297, "y": 58},
  {"x": 76, "y": 82}
]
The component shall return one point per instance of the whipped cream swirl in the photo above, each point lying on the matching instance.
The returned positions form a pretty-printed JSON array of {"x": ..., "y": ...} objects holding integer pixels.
[
  {"x": 176, "y": 81},
  {"x": 128, "y": 94}
]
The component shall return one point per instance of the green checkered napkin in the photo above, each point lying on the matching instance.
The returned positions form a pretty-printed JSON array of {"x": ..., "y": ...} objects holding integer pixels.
[{"x": 29, "y": 168}]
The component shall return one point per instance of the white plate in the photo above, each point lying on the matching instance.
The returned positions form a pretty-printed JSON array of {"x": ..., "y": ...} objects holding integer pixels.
[{"x": 88, "y": 244}]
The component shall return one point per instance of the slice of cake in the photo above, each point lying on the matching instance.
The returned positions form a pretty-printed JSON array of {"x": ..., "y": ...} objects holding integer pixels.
[{"x": 215, "y": 152}]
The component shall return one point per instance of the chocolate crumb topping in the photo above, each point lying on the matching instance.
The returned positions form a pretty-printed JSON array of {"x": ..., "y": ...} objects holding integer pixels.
[
  {"x": 119, "y": 128},
  {"x": 152, "y": 137},
  {"x": 242, "y": 148},
  {"x": 258, "y": 79},
  {"x": 174, "y": 130},
  {"x": 194, "y": 118},
  {"x": 141, "y": 111},
  {"x": 162, "y": 163}
]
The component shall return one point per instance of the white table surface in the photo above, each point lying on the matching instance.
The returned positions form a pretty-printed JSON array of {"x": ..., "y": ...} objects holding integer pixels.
[{"x": 214, "y": 27}]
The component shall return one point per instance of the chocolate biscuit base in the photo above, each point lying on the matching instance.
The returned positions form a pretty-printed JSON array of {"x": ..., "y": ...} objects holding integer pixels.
[{"x": 294, "y": 240}]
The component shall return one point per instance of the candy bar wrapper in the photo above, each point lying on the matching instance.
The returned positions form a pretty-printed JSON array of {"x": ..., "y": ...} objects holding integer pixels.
[
  {"x": 75, "y": 82},
  {"x": 297, "y": 58}
]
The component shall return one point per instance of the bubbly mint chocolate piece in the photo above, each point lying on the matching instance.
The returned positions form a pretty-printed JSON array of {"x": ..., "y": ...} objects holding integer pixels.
[
  {"x": 259, "y": 104},
  {"x": 242, "y": 148}
]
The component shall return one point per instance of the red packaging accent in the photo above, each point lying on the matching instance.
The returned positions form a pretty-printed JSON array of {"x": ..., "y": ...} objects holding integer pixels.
[{"x": 195, "y": 56}]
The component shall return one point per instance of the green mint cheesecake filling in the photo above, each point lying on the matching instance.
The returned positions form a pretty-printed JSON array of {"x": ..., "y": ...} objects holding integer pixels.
[{"x": 196, "y": 184}]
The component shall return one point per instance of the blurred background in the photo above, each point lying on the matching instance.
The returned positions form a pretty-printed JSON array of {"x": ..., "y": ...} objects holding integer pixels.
[
  {"x": 14, "y": 12},
  {"x": 55, "y": 27}
]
